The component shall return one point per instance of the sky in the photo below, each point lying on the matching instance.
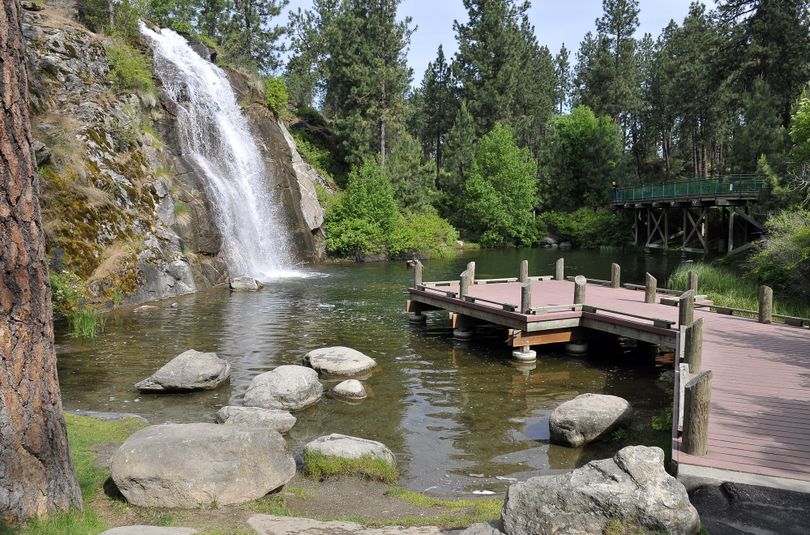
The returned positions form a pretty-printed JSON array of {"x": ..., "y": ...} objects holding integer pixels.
[{"x": 555, "y": 21}]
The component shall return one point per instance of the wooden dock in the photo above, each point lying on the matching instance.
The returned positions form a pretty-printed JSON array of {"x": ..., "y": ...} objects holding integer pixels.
[{"x": 758, "y": 428}]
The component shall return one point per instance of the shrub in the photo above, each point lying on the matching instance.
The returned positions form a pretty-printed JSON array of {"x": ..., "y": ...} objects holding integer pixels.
[
  {"x": 354, "y": 238},
  {"x": 783, "y": 258},
  {"x": 275, "y": 94},
  {"x": 426, "y": 235},
  {"x": 130, "y": 70},
  {"x": 586, "y": 228},
  {"x": 67, "y": 292}
]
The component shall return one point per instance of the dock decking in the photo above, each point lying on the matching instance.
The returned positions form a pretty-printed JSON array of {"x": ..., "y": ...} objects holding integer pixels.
[{"x": 759, "y": 420}]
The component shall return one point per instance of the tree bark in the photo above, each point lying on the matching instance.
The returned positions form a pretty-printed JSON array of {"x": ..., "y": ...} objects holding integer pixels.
[{"x": 36, "y": 473}]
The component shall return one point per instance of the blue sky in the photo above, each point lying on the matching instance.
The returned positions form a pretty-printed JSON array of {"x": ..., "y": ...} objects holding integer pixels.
[{"x": 555, "y": 22}]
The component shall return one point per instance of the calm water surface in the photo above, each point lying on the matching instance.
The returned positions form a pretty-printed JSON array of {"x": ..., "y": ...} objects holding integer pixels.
[{"x": 459, "y": 416}]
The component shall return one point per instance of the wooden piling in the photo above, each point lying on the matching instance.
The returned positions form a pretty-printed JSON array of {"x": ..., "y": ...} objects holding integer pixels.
[
  {"x": 526, "y": 297},
  {"x": 471, "y": 271},
  {"x": 696, "y": 402},
  {"x": 765, "y": 304},
  {"x": 693, "y": 345},
  {"x": 559, "y": 273},
  {"x": 417, "y": 273},
  {"x": 615, "y": 275},
  {"x": 686, "y": 308},
  {"x": 579, "y": 289},
  {"x": 650, "y": 288},
  {"x": 524, "y": 271},
  {"x": 464, "y": 285},
  {"x": 692, "y": 281}
]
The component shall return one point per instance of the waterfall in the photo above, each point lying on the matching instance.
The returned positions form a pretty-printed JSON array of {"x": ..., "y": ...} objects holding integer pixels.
[{"x": 215, "y": 137}]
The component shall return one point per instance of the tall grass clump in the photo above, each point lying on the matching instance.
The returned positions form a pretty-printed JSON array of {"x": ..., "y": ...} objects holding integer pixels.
[
  {"x": 86, "y": 322},
  {"x": 319, "y": 466},
  {"x": 734, "y": 290}
]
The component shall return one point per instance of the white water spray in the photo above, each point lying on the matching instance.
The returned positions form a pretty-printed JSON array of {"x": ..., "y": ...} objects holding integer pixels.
[{"x": 215, "y": 137}]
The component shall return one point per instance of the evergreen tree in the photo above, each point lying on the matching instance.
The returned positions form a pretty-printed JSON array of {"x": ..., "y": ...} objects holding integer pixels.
[
  {"x": 562, "y": 79},
  {"x": 760, "y": 133},
  {"x": 459, "y": 150},
  {"x": 413, "y": 178},
  {"x": 437, "y": 107},
  {"x": 250, "y": 39}
]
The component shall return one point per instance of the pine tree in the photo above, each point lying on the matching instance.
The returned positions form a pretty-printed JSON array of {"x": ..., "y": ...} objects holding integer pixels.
[
  {"x": 760, "y": 133},
  {"x": 562, "y": 79},
  {"x": 459, "y": 150},
  {"x": 250, "y": 38},
  {"x": 437, "y": 107}
]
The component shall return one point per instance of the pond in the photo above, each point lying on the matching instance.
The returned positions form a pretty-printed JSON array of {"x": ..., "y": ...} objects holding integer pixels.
[{"x": 459, "y": 416}]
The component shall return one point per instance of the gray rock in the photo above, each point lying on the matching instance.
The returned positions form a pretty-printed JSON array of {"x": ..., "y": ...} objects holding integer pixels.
[
  {"x": 287, "y": 387},
  {"x": 586, "y": 418},
  {"x": 277, "y": 420},
  {"x": 346, "y": 447},
  {"x": 547, "y": 241},
  {"x": 245, "y": 284},
  {"x": 349, "y": 389},
  {"x": 339, "y": 360},
  {"x": 149, "y": 530},
  {"x": 483, "y": 528},
  {"x": 191, "y": 370},
  {"x": 632, "y": 487},
  {"x": 109, "y": 415},
  {"x": 285, "y": 525},
  {"x": 307, "y": 178},
  {"x": 193, "y": 465}
]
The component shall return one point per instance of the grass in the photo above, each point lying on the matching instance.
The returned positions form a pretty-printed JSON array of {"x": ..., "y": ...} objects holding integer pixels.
[
  {"x": 727, "y": 288},
  {"x": 86, "y": 322},
  {"x": 319, "y": 466},
  {"x": 130, "y": 69}
]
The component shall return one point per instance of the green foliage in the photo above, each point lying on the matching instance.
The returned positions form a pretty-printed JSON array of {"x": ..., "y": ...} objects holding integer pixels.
[
  {"x": 67, "y": 292},
  {"x": 579, "y": 160},
  {"x": 412, "y": 177},
  {"x": 424, "y": 235},
  {"x": 318, "y": 466},
  {"x": 760, "y": 133},
  {"x": 86, "y": 322},
  {"x": 586, "y": 228},
  {"x": 354, "y": 238},
  {"x": 275, "y": 94},
  {"x": 118, "y": 18},
  {"x": 662, "y": 421},
  {"x": 458, "y": 156},
  {"x": 500, "y": 194},
  {"x": 800, "y": 128},
  {"x": 130, "y": 69},
  {"x": 319, "y": 155},
  {"x": 783, "y": 258}
]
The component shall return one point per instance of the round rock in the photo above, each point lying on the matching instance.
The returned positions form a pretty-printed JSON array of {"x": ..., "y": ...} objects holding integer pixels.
[
  {"x": 339, "y": 361},
  {"x": 194, "y": 465},
  {"x": 349, "y": 389},
  {"x": 586, "y": 418},
  {"x": 288, "y": 388},
  {"x": 245, "y": 284},
  {"x": 191, "y": 370},
  {"x": 277, "y": 420},
  {"x": 346, "y": 447}
]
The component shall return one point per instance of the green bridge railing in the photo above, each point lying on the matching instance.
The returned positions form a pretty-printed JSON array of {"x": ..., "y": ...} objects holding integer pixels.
[{"x": 725, "y": 186}]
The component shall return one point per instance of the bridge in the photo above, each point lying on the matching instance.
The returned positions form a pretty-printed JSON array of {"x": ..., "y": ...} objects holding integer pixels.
[
  {"x": 694, "y": 215},
  {"x": 740, "y": 399}
]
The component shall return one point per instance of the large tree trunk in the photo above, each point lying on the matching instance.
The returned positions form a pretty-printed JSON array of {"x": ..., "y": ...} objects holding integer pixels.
[{"x": 36, "y": 473}]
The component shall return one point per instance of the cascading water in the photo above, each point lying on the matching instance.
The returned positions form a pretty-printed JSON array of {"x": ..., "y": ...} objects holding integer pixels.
[{"x": 215, "y": 137}]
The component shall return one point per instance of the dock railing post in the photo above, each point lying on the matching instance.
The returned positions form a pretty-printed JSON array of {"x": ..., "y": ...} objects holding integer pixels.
[
  {"x": 579, "y": 289},
  {"x": 471, "y": 271},
  {"x": 650, "y": 288},
  {"x": 692, "y": 281},
  {"x": 697, "y": 400},
  {"x": 524, "y": 271},
  {"x": 765, "y": 304},
  {"x": 686, "y": 308},
  {"x": 525, "y": 297},
  {"x": 615, "y": 275},
  {"x": 464, "y": 285},
  {"x": 693, "y": 345},
  {"x": 559, "y": 271},
  {"x": 417, "y": 274}
]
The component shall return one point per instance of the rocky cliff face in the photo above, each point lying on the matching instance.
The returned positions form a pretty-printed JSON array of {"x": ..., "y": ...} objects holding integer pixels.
[{"x": 121, "y": 207}]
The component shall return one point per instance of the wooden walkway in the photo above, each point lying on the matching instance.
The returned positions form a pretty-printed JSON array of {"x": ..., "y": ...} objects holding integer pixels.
[{"x": 760, "y": 392}]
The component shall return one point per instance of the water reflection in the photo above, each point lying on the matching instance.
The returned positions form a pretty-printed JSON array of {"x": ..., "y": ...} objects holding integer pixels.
[{"x": 459, "y": 415}]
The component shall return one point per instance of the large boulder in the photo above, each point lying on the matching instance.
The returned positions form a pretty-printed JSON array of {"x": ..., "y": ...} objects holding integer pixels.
[
  {"x": 286, "y": 525},
  {"x": 349, "y": 389},
  {"x": 339, "y": 360},
  {"x": 287, "y": 387},
  {"x": 245, "y": 284},
  {"x": 346, "y": 447},
  {"x": 194, "y": 465},
  {"x": 586, "y": 418},
  {"x": 632, "y": 487},
  {"x": 277, "y": 420},
  {"x": 191, "y": 370}
]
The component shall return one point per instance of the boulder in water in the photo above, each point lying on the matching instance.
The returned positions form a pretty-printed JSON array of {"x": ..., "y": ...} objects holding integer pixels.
[
  {"x": 349, "y": 389},
  {"x": 339, "y": 360},
  {"x": 191, "y": 370},
  {"x": 277, "y": 420},
  {"x": 632, "y": 487},
  {"x": 194, "y": 465},
  {"x": 287, "y": 387},
  {"x": 586, "y": 418},
  {"x": 346, "y": 447},
  {"x": 245, "y": 284}
]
